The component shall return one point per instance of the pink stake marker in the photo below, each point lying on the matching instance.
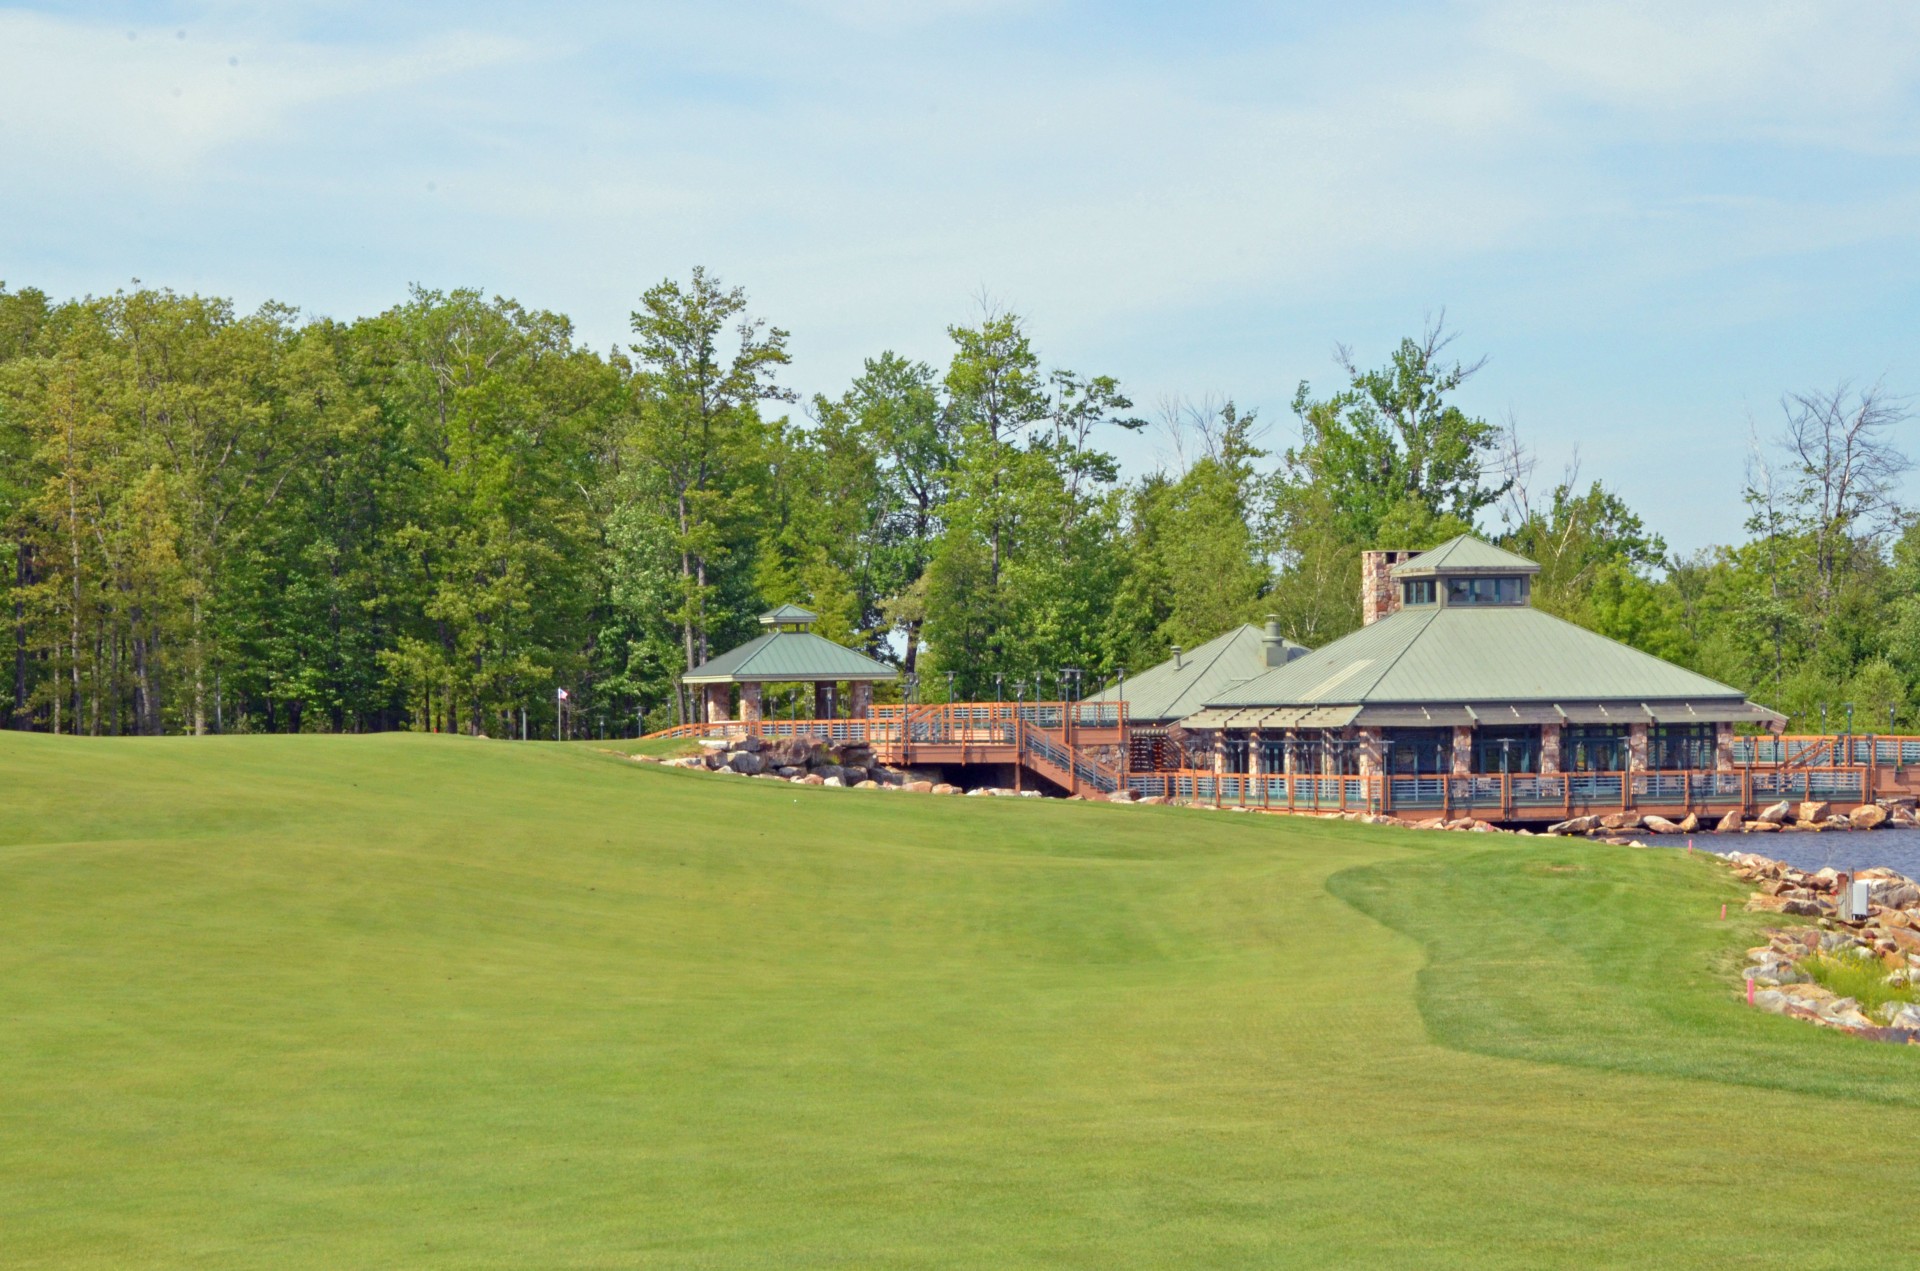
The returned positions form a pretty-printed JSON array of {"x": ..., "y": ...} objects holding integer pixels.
[
  {"x": 1689, "y": 847},
  {"x": 1723, "y": 911},
  {"x": 1749, "y": 992}
]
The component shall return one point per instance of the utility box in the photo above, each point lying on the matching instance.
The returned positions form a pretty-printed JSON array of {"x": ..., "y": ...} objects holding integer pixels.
[{"x": 1854, "y": 899}]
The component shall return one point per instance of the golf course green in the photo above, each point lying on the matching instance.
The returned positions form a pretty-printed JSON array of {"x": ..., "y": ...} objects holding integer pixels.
[{"x": 408, "y": 1001}]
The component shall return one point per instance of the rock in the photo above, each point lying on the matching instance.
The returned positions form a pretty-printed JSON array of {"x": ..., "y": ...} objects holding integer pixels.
[
  {"x": 790, "y": 771},
  {"x": 1900, "y": 895},
  {"x": 1730, "y": 823},
  {"x": 1690, "y": 824},
  {"x": 835, "y": 781},
  {"x": 1905, "y": 819},
  {"x": 1812, "y": 827},
  {"x": 790, "y": 752},
  {"x": 746, "y": 745},
  {"x": 1120, "y": 796},
  {"x": 715, "y": 743},
  {"x": 1868, "y": 816},
  {"x": 1777, "y": 813},
  {"x": 1621, "y": 821},
  {"x": 1815, "y": 810},
  {"x": 1771, "y": 1000},
  {"x": 918, "y": 787},
  {"x": 1153, "y": 800},
  {"x": 1660, "y": 825},
  {"x": 747, "y": 763},
  {"x": 1908, "y": 1016},
  {"x": 830, "y": 770},
  {"x": 1575, "y": 825},
  {"x": 868, "y": 784},
  {"x": 944, "y": 788},
  {"x": 1766, "y": 905},
  {"x": 1904, "y": 939},
  {"x": 811, "y": 779},
  {"x": 1801, "y": 908},
  {"x": 1762, "y": 827},
  {"x": 853, "y": 774}
]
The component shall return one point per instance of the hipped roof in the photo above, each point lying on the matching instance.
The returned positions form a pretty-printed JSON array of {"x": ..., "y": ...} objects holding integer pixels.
[
  {"x": 1167, "y": 691},
  {"x": 1465, "y": 554},
  {"x": 1458, "y": 655},
  {"x": 780, "y": 656}
]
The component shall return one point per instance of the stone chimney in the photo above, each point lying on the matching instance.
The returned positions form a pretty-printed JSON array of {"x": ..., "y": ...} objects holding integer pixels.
[
  {"x": 1273, "y": 643},
  {"x": 1379, "y": 597}
]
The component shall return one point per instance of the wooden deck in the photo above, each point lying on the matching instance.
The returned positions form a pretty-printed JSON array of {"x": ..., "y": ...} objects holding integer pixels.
[{"x": 1081, "y": 748}]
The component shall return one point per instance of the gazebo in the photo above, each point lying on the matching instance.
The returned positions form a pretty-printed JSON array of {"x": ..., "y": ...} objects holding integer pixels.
[{"x": 789, "y": 653}]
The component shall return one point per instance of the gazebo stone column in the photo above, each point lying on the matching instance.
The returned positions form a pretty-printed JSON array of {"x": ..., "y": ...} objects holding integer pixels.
[
  {"x": 1462, "y": 749},
  {"x": 717, "y": 703},
  {"x": 1636, "y": 747},
  {"x": 1723, "y": 747},
  {"x": 822, "y": 699},
  {"x": 750, "y": 703},
  {"x": 1551, "y": 737},
  {"x": 860, "y": 695}
]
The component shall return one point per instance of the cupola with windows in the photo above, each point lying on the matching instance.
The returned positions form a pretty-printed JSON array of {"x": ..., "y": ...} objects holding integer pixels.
[{"x": 1460, "y": 572}]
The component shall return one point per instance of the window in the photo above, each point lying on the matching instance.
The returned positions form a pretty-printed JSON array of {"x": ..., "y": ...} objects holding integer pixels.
[
  {"x": 1417, "y": 591},
  {"x": 1596, "y": 748},
  {"x": 1420, "y": 752},
  {"x": 1486, "y": 591},
  {"x": 1506, "y": 749},
  {"x": 1680, "y": 747}
]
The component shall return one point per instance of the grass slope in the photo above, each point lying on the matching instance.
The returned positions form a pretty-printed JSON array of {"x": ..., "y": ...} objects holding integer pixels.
[{"x": 326, "y": 1002}]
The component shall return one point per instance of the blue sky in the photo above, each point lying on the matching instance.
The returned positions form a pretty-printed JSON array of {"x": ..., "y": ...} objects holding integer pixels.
[{"x": 1653, "y": 218}]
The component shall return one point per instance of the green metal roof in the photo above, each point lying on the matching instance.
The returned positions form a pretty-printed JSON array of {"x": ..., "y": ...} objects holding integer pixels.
[
  {"x": 788, "y": 613},
  {"x": 1474, "y": 654},
  {"x": 788, "y": 655},
  {"x": 1168, "y": 692},
  {"x": 1465, "y": 554}
]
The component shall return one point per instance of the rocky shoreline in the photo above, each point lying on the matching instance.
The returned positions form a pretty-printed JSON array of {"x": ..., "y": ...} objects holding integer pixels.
[
  {"x": 1810, "y": 817},
  {"x": 1888, "y": 935}
]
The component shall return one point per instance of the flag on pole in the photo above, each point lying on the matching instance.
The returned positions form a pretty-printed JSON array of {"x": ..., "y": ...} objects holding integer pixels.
[{"x": 563, "y": 694}]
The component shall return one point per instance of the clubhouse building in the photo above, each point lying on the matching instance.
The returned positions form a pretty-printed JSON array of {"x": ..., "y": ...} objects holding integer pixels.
[{"x": 1455, "y": 673}]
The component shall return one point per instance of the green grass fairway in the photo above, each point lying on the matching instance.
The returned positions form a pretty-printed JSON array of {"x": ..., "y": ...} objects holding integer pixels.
[{"x": 423, "y": 1002}]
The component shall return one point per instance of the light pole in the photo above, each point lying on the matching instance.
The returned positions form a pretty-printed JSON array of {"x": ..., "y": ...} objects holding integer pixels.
[
  {"x": 949, "y": 688},
  {"x": 998, "y": 676}
]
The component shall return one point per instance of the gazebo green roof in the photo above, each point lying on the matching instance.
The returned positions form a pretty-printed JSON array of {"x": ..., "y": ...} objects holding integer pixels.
[
  {"x": 789, "y": 656},
  {"x": 1465, "y": 555},
  {"x": 1169, "y": 691},
  {"x": 788, "y": 614}
]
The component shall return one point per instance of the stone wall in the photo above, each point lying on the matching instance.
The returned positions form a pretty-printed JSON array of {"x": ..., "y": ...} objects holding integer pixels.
[
  {"x": 1551, "y": 736},
  {"x": 1462, "y": 750},
  {"x": 750, "y": 703},
  {"x": 1636, "y": 747}
]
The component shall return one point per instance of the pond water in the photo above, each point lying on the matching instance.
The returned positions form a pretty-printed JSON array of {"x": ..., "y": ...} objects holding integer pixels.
[{"x": 1892, "y": 849}]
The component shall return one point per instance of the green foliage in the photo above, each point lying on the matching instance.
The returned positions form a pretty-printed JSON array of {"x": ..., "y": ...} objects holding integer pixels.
[{"x": 1862, "y": 979}]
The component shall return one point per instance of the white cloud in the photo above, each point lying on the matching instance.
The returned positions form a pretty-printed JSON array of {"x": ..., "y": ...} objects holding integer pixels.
[{"x": 147, "y": 99}]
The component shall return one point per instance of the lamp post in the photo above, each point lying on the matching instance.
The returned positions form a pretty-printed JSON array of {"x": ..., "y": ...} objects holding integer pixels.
[
  {"x": 949, "y": 687},
  {"x": 998, "y": 677}
]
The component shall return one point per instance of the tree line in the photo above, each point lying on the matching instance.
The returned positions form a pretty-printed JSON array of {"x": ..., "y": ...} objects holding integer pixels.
[{"x": 435, "y": 517}]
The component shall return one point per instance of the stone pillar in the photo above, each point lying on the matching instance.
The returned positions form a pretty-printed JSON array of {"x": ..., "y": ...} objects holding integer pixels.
[
  {"x": 1368, "y": 751},
  {"x": 749, "y": 703},
  {"x": 860, "y": 698},
  {"x": 1723, "y": 747},
  {"x": 1290, "y": 760},
  {"x": 1256, "y": 762},
  {"x": 1636, "y": 747},
  {"x": 717, "y": 703},
  {"x": 1462, "y": 749},
  {"x": 1219, "y": 751},
  {"x": 1551, "y": 737},
  {"x": 823, "y": 699}
]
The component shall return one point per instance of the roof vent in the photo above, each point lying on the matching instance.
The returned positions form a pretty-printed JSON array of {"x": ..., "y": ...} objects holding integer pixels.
[
  {"x": 1273, "y": 643},
  {"x": 1177, "y": 663}
]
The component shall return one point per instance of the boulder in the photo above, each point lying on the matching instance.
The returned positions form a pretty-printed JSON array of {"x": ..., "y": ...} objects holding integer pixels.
[
  {"x": 1776, "y": 814},
  {"x": 747, "y": 762},
  {"x": 944, "y": 788},
  {"x": 1905, "y": 819},
  {"x": 1815, "y": 810},
  {"x": 1900, "y": 895},
  {"x": 1660, "y": 825},
  {"x": 918, "y": 787},
  {"x": 868, "y": 784},
  {"x": 853, "y": 774},
  {"x": 1904, "y": 939},
  {"x": 812, "y": 779},
  {"x": 1767, "y": 905},
  {"x": 1690, "y": 824},
  {"x": 789, "y": 752},
  {"x": 746, "y": 745},
  {"x": 715, "y": 760},
  {"x": 1730, "y": 823},
  {"x": 1154, "y": 800},
  {"x": 1575, "y": 825},
  {"x": 790, "y": 771},
  {"x": 1762, "y": 827},
  {"x": 715, "y": 743},
  {"x": 830, "y": 770},
  {"x": 1868, "y": 816},
  {"x": 836, "y": 781},
  {"x": 1621, "y": 821}
]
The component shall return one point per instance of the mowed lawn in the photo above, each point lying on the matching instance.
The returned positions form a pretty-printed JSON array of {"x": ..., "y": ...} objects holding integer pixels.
[{"x": 426, "y": 1002}]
